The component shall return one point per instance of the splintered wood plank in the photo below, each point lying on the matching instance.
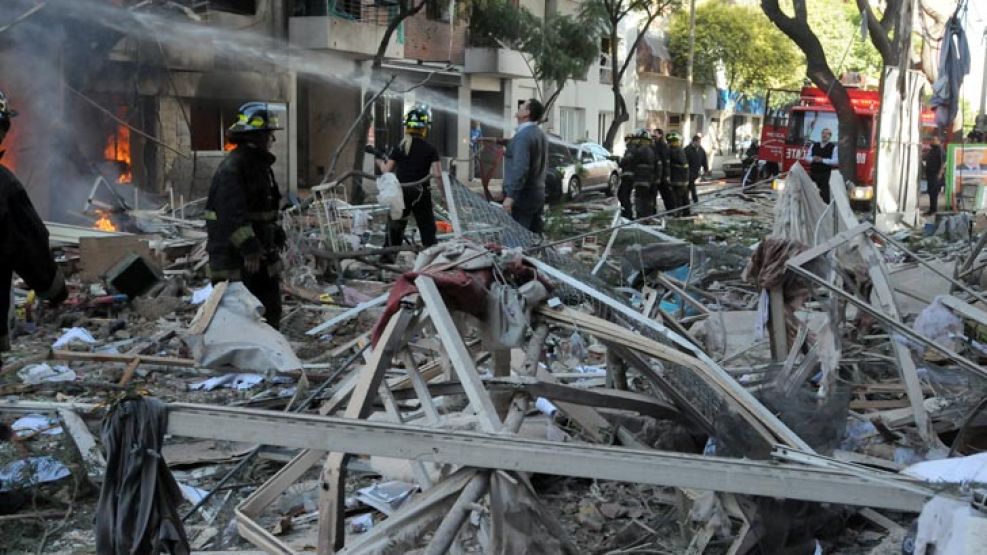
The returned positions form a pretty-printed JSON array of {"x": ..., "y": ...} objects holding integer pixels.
[
  {"x": 459, "y": 355},
  {"x": 204, "y": 316},
  {"x": 331, "y": 499}
]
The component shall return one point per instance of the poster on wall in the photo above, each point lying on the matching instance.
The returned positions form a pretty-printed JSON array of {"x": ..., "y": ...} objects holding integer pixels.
[{"x": 966, "y": 176}]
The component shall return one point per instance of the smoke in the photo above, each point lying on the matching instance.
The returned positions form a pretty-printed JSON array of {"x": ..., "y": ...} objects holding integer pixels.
[{"x": 72, "y": 50}]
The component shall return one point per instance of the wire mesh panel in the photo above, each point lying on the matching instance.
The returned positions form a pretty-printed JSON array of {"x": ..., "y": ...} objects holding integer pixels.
[{"x": 484, "y": 222}]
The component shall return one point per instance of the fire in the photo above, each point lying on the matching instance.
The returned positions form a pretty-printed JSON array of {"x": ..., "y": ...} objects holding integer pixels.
[
  {"x": 104, "y": 223},
  {"x": 228, "y": 146},
  {"x": 118, "y": 150}
]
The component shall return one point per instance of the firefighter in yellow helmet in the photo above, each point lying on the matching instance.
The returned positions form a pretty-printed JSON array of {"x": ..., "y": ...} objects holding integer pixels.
[
  {"x": 245, "y": 236},
  {"x": 415, "y": 162},
  {"x": 678, "y": 174}
]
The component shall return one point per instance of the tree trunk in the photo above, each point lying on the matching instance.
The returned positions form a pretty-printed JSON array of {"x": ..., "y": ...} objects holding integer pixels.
[
  {"x": 406, "y": 9},
  {"x": 797, "y": 28},
  {"x": 619, "y": 106}
]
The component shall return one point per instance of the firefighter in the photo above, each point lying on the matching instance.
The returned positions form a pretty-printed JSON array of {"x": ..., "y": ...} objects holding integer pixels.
[
  {"x": 414, "y": 161},
  {"x": 23, "y": 242},
  {"x": 698, "y": 165},
  {"x": 661, "y": 186},
  {"x": 242, "y": 211},
  {"x": 637, "y": 169},
  {"x": 678, "y": 174}
]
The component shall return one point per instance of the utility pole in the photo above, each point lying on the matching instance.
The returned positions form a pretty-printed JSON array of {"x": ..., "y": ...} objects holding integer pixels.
[{"x": 687, "y": 124}]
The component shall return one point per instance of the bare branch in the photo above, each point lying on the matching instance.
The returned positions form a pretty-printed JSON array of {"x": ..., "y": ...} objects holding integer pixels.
[
  {"x": 878, "y": 32},
  {"x": 349, "y": 132}
]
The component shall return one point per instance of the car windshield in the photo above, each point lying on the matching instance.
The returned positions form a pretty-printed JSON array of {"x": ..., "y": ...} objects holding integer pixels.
[
  {"x": 806, "y": 126},
  {"x": 559, "y": 154}
]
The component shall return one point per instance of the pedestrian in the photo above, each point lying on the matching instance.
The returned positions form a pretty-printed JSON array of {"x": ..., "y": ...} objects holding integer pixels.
[
  {"x": 637, "y": 171},
  {"x": 661, "y": 186},
  {"x": 415, "y": 162},
  {"x": 23, "y": 242},
  {"x": 698, "y": 164},
  {"x": 822, "y": 156},
  {"x": 678, "y": 174},
  {"x": 245, "y": 237},
  {"x": 935, "y": 168},
  {"x": 476, "y": 133},
  {"x": 524, "y": 168}
]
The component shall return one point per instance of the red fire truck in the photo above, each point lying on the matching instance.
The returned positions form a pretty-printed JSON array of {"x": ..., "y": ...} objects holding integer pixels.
[{"x": 794, "y": 119}]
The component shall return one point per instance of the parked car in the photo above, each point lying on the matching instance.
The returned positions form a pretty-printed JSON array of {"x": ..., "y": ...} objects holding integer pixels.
[
  {"x": 574, "y": 169},
  {"x": 733, "y": 167}
]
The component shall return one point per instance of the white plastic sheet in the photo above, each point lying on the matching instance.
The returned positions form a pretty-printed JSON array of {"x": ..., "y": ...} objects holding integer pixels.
[
  {"x": 389, "y": 194},
  {"x": 72, "y": 335},
  {"x": 43, "y": 372},
  {"x": 237, "y": 336},
  {"x": 31, "y": 471}
]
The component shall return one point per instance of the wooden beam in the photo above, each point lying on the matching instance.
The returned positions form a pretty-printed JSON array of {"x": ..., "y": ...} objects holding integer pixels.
[
  {"x": 331, "y": 499},
  {"x": 493, "y": 451},
  {"x": 204, "y": 316},
  {"x": 708, "y": 366},
  {"x": 884, "y": 294},
  {"x": 459, "y": 356},
  {"x": 346, "y": 315},
  {"x": 753, "y": 412},
  {"x": 123, "y": 358}
]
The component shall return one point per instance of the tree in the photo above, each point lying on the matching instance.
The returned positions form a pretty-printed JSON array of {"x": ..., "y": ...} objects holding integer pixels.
[
  {"x": 608, "y": 16},
  {"x": 557, "y": 49},
  {"x": 767, "y": 58},
  {"x": 405, "y": 9},
  {"x": 797, "y": 28}
]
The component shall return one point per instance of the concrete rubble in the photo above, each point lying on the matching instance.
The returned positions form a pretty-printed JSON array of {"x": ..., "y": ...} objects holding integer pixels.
[{"x": 768, "y": 375}]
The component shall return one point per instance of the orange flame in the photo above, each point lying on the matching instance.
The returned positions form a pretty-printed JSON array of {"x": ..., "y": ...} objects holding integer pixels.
[
  {"x": 228, "y": 146},
  {"x": 104, "y": 223},
  {"x": 118, "y": 150}
]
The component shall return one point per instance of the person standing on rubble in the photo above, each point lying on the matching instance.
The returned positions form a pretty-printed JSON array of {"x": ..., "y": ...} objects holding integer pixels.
[
  {"x": 678, "y": 174},
  {"x": 245, "y": 237},
  {"x": 822, "y": 157},
  {"x": 661, "y": 186},
  {"x": 414, "y": 161},
  {"x": 637, "y": 171},
  {"x": 698, "y": 164},
  {"x": 935, "y": 169},
  {"x": 525, "y": 164},
  {"x": 23, "y": 241}
]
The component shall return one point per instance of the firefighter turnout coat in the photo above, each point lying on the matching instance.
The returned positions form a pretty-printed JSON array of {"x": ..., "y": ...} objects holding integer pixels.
[{"x": 242, "y": 214}]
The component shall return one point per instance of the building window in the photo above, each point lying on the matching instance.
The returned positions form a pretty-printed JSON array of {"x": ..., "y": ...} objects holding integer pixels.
[
  {"x": 207, "y": 116},
  {"x": 572, "y": 123},
  {"x": 674, "y": 122},
  {"x": 606, "y": 73},
  {"x": 438, "y": 10},
  {"x": 603, "y": 121}
]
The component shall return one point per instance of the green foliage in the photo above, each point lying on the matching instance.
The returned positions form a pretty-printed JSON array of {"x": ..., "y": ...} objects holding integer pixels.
[
  {"x": 837, "y": 25},
  {"x": 561, "y": 47},
  {"x": 754, "y": 54}
]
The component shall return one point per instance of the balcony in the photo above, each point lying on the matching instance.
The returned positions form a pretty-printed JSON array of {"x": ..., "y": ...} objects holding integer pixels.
[
  {"x": 496, "y": 62},
  {"x": 356, "y": 39}
]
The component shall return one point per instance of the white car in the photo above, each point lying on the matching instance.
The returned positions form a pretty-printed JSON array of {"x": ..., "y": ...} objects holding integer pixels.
[{"x": 584, "y": 167}]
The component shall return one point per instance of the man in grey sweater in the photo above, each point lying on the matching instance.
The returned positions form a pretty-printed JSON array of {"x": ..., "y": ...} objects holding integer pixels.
[{"x": 524, "y": 168}]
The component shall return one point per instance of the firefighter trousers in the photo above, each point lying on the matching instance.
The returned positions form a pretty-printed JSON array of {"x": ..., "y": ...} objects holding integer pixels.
[
  {"x": 267, "y": 289},
  {"x": 417, "y": 201}
]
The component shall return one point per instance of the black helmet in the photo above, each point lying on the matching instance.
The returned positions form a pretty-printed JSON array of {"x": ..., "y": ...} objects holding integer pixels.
[
  {"x": 417, "y": 118},
  {"x": 255, "y": 116},
  {"x": 5, "y": 111}
]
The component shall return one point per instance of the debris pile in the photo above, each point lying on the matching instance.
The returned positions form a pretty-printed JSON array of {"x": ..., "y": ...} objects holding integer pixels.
[{"x": 768, "y": 375}]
